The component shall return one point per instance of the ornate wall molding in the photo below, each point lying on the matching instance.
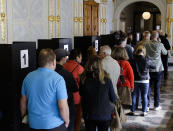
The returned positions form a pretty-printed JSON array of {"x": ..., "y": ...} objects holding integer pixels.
[
  {"x": 103, "y": 19},
  {"x": 169, "y": 1},
  {"x": 78, "y": 18},
  {"x": 54, "y": 19},
  {"x": 3, "y": 21}
]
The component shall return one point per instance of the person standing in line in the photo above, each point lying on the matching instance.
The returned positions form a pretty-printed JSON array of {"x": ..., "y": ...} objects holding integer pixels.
[
  {"x": 73, "y": 65},
  {"x": 120, "y": 39},
  {"x": 61, "y": 58},
  {"x": 97, "y": 92},
  {"x": 44, "y": 95},
  {"x": 153, "y": 52},
  {"x": 125, "y": 83},
  {"x": 167, "y": 46},
  {"x": 146, "y": 40},
  {"x": 110, "y": 65},
  {"x": 141, "y": 66}
]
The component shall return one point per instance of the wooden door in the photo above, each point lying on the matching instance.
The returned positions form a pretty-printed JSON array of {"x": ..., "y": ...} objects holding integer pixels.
[
  {"x": 91, "y": 23},
  {"x": 87, "y": 20},
  {"x": 94, "y": 20}
]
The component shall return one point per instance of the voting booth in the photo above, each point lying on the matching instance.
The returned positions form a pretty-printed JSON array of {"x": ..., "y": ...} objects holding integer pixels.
[
  {"x": 83, "y": 42},
  {"x": 54, "y": 43},
  {"x": 17, "y": 60}
]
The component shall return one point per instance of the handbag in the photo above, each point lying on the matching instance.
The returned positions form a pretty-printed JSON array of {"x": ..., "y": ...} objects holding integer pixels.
[
  {"x": 125, "y": 95},
  {"x": 124, "y": 92}
]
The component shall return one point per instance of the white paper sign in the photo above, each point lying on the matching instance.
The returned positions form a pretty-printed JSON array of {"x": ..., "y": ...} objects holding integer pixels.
[
  {"x": 66, "y": 47},
  {"x": 97, "y": 45},
  {"x": 24, "y": 60}
]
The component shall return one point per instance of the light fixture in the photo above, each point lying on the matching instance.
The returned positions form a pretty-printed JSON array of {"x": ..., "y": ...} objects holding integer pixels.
[{"x": 146, "y": 15}]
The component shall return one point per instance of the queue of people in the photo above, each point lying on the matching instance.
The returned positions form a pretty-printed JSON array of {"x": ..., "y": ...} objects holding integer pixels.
[{"x": 61, "y": 92}]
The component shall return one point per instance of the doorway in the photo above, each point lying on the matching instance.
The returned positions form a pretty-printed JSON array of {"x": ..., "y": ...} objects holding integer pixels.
[{"x": 91, "y": 18}]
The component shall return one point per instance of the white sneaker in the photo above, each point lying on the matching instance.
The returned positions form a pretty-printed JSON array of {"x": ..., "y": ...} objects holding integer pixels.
[
  {"x": 148, "y": 109},
  {"x": 157, "y": 108},
  {"x": 144, "y": 113}
]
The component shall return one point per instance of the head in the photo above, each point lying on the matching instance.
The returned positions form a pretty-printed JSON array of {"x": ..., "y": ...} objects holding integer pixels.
[
  {"x": 61, "y": 55},
  {"x": 161, "y": 33},
  {"x": 120, "y": 38},
  {"x": 47, "y": 58},
  {"x": 130, "y": 36},
  {"x": 146, "y": 35},
  {"x": 91, "y": 51},
  {"x": 155, "y": 34},
  {"x": 76, "y": 55},
  {"x": 119, "y": 53},
  {"x": 105, "y": 51},
  {"x": 94, "y": 69},
  {"x": 140, "y": 50}
]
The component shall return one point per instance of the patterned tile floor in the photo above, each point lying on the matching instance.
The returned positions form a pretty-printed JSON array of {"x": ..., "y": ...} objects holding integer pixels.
[{"x": 161, "y": 120}]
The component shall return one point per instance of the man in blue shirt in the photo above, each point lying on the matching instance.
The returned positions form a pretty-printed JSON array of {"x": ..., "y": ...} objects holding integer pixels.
[{"x": 44, "y": 95}]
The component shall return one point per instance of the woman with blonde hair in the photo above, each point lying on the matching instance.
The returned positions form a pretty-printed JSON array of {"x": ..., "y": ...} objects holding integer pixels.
[
  {"x": 97, "y": 92},
  {"x": 140, "y": 65},
  {"x": 125, "y": 83}
]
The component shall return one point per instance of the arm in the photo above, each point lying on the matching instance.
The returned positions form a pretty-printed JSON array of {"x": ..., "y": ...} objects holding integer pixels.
[
  {"x": 130, "y": 76},
  {"x": 64, "y": 111},
  {"x": 23, "y": 105},
  {"x": 163, "y": 50},
  {"x": 111, "y": 92}
]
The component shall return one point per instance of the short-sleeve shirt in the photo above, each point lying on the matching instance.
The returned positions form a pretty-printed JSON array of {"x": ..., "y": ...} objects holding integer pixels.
[{"x": 43, "y": 88}]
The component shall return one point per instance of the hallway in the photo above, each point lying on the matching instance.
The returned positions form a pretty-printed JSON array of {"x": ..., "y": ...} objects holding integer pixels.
[{"x": 161, "y": 120}]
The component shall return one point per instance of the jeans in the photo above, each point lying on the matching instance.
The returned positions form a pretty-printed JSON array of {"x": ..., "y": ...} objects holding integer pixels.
[
  {"x": 155, "y": 80},
  {"x": 90, "y": 125},
  {"x": 165, "y": 65},
  {"x": 143, "y": 87},
  {"x": 72, "y": 117}
]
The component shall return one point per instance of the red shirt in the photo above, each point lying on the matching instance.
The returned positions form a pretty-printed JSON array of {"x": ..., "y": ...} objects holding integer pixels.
[
  {"x": 77, "y": 70},
  {"x": 128, "y": 74}
]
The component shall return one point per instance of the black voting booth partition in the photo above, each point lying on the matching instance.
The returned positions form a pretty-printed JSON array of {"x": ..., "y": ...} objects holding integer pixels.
[
  {"x": 107, "y": 40},
  {"x": 84, "y": 42},
  {"x": 54, "y": 43},
  {"x": 17, "y": 60}
]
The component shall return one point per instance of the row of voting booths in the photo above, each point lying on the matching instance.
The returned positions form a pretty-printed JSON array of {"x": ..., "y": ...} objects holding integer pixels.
[{"x": 20, "y": 58}]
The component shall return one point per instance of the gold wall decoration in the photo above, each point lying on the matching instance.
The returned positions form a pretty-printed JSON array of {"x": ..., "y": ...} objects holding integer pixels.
[
  {"x": 103, "y": 20},
  {"x": 51, "y": 18},
  {"x": 54, "y": 19},
  {"x": 78, "y": 18},
  {"x": 2, "y": 20},
  {"x": 58, "y": 18},
  {"x": 104, "y": 1},
  {"x": 169, "y": 1},
  {"x": 169, "y": 21}
]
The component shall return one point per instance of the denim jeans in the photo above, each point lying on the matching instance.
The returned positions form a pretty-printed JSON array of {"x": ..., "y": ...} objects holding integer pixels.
[
  {"x": 155, "y": 80},
  {"x": 165, "y": 65},
  {"x": 143, "y": 87},
  {"x": 72, "y": 117}
]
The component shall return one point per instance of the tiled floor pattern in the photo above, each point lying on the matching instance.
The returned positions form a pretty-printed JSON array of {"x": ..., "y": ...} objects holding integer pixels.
[{"x": 161, "y": 120}]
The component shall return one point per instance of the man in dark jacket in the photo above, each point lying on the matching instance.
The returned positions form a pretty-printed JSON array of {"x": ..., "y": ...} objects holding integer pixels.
[
  {"x": 61, "y": 57},
  {"x": 167, "y": 46}
]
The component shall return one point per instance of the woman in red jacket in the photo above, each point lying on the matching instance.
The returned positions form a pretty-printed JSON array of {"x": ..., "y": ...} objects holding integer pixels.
[
  {"x": 73, "y": 65},
  {"x": 125, "y": 83}
]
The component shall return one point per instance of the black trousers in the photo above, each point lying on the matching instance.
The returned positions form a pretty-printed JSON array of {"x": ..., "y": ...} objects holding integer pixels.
[
  {"x": 59, "y": 128},
  {"x": 90, "y": 125}
]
